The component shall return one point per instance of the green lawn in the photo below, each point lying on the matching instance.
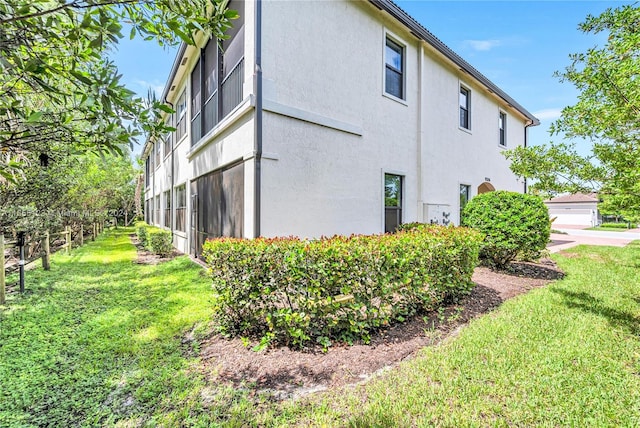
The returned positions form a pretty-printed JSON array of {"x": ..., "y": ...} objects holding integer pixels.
[
  {"x": 564, "y": 355},
  {"x": 99, "y": 341}
]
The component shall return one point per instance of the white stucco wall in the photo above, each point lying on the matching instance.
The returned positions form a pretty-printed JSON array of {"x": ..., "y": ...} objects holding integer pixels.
[
  {"x": 323, "y": 64},
  {"x": 329, "y": 179},
  {"x": 453, "y": 156}
]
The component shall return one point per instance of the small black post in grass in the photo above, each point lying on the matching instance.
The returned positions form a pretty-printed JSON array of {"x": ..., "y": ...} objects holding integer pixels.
[{"x": 21, "y": 261}]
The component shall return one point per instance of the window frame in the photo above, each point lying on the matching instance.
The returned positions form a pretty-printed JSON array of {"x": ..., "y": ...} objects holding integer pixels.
[
  {"x": 467, "y": 107},
  {"x": 502, "y": 129},
  {"x": 395, "y": 40},
  {"x": 402, "y": 175},
  {"x": 177, "y": 206},
  {"x": 468, "y": 196}
]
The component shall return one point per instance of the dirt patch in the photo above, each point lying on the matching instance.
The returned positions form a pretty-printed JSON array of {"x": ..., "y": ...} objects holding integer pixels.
[
  {"x": 287, "y": 373},
  {"x": 146, "y": 257}
]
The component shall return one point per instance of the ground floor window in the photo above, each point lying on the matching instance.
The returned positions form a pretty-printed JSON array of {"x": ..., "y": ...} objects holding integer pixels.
[
  {"x": 167, "y": 208},
  {"x": 392, "y": 202},
  {"x": 181, "y": 207},
  {"x": 156, "y": 211},
  {"x": 464, "y": 197}
]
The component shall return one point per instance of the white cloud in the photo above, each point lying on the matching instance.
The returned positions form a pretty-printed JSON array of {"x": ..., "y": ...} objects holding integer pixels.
[
  {"x": 483, "y": 45},
  {"x": 158, "y": 88},
  {"x": 548, "y": 114}
]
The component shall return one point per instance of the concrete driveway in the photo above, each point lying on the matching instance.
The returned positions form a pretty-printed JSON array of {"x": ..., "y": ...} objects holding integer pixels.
[{"x": 575, "y": 237}]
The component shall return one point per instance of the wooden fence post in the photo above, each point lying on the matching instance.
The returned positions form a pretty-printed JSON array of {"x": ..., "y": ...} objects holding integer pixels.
[
  {"x": 2, "y": 284},
  {"x": 67, "y": 238},
  {"x": 81, "y": 234},
  {"x": 46, "y": 257}
]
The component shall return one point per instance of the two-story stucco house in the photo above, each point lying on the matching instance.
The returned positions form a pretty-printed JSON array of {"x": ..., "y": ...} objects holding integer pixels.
[{"x": 325, "y": 117}]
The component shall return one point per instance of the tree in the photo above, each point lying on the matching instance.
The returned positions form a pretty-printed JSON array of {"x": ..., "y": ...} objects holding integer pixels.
[
  {"x": 607, "y": 115},
  {"x": 57, "y": 83}
]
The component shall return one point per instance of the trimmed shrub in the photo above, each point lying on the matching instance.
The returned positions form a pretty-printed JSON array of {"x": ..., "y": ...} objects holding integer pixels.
[
  {"x": 616, "y": 225},
  {"x": 141, "y": 231},
  {"x": 160, "y": 241},
  {"x": 298, "y": 292},
  {"x": 514, "y": 225}
]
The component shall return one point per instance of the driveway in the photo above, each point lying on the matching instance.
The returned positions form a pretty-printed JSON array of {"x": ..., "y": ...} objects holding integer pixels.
[{"x": 575, "y": 237}]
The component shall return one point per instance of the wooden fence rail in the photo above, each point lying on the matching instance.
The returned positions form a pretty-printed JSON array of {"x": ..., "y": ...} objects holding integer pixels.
[{"x": 45, "y": 241}]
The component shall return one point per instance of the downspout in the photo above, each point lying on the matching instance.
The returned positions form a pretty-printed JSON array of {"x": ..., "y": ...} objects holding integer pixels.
[
  {"x": 420, "y": 216},
  {"x": 526, "y": 134},
  {"x": 257, "y": 144}
]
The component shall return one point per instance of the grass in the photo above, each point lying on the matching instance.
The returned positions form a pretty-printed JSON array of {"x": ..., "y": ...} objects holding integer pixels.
[
  {"x": 564, "y": 355},
  {"x": 609, "y": 229},
  {"x": 100, "y": 341}
]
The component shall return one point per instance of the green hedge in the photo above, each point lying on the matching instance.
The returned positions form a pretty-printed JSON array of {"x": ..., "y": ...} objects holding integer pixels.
[
  {"x": 515, "y": 225},
  {"x": 615, "y": 225},
  {"x": 154, "y": 239},
  {"x": 295, "y": 292},
  {"x": 141, "y": 231}
]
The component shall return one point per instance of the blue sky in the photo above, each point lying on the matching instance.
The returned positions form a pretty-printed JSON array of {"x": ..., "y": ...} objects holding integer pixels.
[{"x": 516, "y": 44}]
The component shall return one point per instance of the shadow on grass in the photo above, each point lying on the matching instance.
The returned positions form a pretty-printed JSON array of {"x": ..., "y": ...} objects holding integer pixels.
[{"x": 588, "y": 303}]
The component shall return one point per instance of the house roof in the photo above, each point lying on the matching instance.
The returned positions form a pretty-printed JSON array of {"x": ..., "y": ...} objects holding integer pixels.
[
  {"x": 422, "y": 33},
  {"x": 576, "y": 197}
]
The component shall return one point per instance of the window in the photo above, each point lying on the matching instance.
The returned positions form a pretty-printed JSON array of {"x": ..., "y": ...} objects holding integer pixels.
[
  {"x": 167, "y": 208},
  {"x": 147, "y": 171},
  {"x": 148, "y": 214},
  {"x": 464, "y": 197},
  {"x": 392, "y": 202},
  {"x": 218, "y": 77},
  {"x": 502, "y": 125},
  {"x": 181, "y": 207},
  {"x": 156, "y": 211},
  {"x": 167, "y": 138},
  {"x": 465, "y": 104},
  {"x": 181, "y": 113},
  {"x": 394, "y": 69},
  {"x": 156, "y": 152}
]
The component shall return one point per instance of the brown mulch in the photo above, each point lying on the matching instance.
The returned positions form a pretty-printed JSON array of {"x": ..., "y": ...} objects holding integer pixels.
[{"x": 286, "y": 373}]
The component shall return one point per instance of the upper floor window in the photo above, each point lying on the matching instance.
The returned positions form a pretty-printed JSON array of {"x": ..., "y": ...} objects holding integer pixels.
[
  {"x": 465, "y": 108},
  {"x": 157, "y": 154},
  {"x": 181, "y": 113},
  {"x": 502, "y": 125},
  {"x": 394, "y": 68}
]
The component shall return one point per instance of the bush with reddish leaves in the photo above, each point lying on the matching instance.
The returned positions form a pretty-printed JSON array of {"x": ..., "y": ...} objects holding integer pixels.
[{"x": 295, "y": 292}]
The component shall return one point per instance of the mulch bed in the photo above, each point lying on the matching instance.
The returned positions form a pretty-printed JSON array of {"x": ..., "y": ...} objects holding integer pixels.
[{"x": 285, "y": 373}]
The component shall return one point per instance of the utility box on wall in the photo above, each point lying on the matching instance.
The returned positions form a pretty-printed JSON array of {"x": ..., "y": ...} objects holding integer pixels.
[{"x": 437, "y": 214}]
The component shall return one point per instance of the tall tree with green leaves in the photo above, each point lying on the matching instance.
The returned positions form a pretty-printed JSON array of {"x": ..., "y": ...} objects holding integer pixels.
[
  {"x": 57, "y": 83},
  {"x": 607, "y": 116}
]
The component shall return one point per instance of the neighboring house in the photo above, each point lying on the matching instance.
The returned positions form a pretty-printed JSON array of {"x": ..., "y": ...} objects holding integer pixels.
[
  {"x": 574, "y": 210},
  {"x": 321, "y": 118}
]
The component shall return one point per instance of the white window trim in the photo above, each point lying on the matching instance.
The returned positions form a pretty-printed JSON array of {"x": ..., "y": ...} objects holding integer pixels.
[
  {"x": 506, "y": 128},
  {"x": 462, "y": 85},
  {"x": 388, "y": 34}
]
